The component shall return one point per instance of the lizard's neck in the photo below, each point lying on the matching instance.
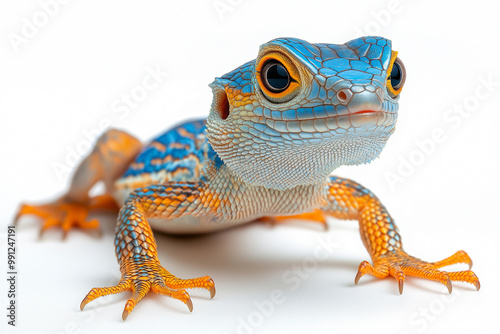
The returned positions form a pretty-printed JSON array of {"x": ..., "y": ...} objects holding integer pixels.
[{"x": 253, "y": 201}]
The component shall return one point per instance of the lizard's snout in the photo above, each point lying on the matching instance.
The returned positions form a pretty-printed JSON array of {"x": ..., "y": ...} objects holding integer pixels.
[{"x": 358, "y": 98}]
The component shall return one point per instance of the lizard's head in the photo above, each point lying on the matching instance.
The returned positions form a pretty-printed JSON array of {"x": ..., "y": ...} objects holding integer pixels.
[{"x": 300, "y": 110}]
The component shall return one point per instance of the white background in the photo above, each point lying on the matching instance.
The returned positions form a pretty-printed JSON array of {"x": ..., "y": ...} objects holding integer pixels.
[{"x": 64, "y": 79}]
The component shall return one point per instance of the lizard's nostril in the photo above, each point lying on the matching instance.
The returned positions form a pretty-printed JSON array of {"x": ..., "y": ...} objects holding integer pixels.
[
  {"x": 344, "y": 95},
  {"x": 222, "y": 104}
]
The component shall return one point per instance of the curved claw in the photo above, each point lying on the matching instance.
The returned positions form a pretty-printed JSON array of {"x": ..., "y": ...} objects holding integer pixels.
[
  {"x": 448, "y": 285},
  {"x": 401, "y": 281},
  {"x": 367, "y": 268},
  {"x": 129, "y": 306},
  {"x": 360, "y": 272},
  {"x": 125, "y": 314},
  {"x": 358, "y": 276},
  {"x": 140, "y": 290},
  {"x": 212, "y": 292},
  {"x": 399, "y": 274},
  {"x": 189, "y": 304}
]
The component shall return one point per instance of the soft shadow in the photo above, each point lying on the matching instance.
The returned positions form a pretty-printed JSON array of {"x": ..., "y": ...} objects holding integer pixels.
[{"x": 229, "y": 252}]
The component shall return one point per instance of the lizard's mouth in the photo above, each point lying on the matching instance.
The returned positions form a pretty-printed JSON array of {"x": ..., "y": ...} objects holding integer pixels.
[
  {"x": 362, "y": 112},
  {"x": 362, "y": 119},
  {"x": 330, "y": 126}
]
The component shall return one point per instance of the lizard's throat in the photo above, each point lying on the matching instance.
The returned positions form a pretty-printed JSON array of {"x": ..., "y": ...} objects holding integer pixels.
[{"x": 286, "y": 167}]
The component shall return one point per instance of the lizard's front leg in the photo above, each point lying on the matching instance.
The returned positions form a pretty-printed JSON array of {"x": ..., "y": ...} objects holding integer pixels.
[
  {"x": 349, "y": 200},
  {"x": 135, "y": 245}
]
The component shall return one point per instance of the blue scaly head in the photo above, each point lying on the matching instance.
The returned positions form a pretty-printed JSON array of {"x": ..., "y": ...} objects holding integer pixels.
[{"x": 300, "y": 110}]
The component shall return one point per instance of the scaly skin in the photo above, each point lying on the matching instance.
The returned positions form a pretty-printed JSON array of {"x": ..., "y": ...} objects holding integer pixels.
[{"x": 263, "y": 152}]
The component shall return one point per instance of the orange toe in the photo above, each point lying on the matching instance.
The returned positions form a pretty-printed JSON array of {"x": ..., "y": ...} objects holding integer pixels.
[{"x": 399, "y": 265}]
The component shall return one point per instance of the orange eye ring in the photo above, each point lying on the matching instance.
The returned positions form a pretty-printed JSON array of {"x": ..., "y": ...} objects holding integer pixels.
[
  {"x": 278, "y": 77},
  {"x": 397, "y": 65}
]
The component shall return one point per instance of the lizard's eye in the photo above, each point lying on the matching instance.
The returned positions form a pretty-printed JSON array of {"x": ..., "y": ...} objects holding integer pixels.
[
  {"x": 275, "y": 76},
  {"x": 278, "y": 77},
  {"x": 397, "y": 76}
]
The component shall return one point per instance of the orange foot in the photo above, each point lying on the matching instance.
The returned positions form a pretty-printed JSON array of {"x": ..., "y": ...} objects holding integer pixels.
[
  {"x": 65, "y": 214},
  {"x": 398, "y": 264},
  {"x": 142, "y": 276},
  {"x": 316, "y": 216}
]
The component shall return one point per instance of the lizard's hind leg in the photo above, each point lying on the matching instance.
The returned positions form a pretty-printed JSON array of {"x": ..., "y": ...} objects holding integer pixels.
[{"x": 111, "y": 155}]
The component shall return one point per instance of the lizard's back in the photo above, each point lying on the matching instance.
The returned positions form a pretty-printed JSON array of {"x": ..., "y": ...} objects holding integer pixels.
[{"x": 178, "y": 154}]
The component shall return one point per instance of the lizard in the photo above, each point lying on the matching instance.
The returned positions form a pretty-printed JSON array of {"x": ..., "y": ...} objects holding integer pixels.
[{"x": 277, "y": 127}]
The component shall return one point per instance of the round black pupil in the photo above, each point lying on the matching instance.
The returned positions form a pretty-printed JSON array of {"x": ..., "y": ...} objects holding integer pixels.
[
  {"x": 277, "y": 77},
  {"x": 395, "y": 75}
]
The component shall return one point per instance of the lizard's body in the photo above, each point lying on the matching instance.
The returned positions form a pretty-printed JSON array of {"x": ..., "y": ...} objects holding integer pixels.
[
  {"x": 277, "y": 128},
  {"x": 165, "y": 159}
]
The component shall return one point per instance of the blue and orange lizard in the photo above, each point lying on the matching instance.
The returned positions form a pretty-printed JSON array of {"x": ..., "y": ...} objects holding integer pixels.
[{"x": 278, "y": 126}]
